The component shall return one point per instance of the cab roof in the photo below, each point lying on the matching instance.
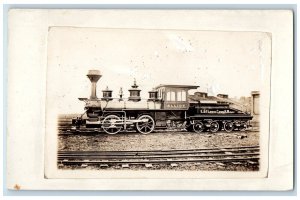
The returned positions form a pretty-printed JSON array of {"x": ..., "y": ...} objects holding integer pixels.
[{"x": 178, "y": 86}]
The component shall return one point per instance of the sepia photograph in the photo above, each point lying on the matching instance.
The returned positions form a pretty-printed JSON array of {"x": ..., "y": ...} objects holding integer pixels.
[{"x": 134, "y": 99}]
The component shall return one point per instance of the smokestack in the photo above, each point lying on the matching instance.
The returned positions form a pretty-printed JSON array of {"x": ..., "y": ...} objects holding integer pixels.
[{"x": 94, "y": 76}]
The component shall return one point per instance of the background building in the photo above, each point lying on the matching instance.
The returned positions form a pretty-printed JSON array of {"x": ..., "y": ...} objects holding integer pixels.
[{"x": 255, "y": 111}]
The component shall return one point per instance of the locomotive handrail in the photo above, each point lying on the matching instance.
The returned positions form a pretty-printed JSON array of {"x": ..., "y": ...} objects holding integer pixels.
[{"x": 113, "y": 98}]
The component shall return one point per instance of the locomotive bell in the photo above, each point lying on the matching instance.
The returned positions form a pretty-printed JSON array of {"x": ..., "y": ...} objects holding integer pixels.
[{"x": 94, "y": 76}]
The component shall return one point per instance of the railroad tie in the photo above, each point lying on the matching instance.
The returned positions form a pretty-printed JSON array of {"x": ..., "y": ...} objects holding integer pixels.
[
  {"x": 219, "y": 163},
  {"x": 252, "y": 162},
  {"x": 103, "y": 166},
  {"x": 125, "y": 166},
  {"x": 148, "y": 165}
]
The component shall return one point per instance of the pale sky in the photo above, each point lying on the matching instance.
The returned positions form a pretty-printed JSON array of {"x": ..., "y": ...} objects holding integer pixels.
[{"x": 219, "y": 62}]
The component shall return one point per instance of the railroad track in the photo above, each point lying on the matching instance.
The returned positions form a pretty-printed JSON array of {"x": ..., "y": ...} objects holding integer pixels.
[{"x": 246, "y": 154}]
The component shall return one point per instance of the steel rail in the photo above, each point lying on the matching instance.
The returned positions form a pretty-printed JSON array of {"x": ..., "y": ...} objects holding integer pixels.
[
  {"x": 152, "y": 156},
  {"x": 156, "y": 161},
  {"x": 152, "y": 153},
  {"x": 243, "y": 148}
]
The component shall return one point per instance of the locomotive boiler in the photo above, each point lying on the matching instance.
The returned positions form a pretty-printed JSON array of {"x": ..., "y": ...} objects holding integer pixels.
[{"x": 168, "y": 107}]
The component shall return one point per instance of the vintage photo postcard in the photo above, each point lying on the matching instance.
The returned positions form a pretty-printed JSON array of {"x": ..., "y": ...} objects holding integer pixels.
[
  {"x": 180, "y": 105},
  {"x": 157, "y": 102}
]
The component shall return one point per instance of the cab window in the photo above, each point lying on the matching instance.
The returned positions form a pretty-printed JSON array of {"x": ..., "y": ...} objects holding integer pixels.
[
  {"x": 181, "y": 95},
  {"x": 171, "y": 96}
]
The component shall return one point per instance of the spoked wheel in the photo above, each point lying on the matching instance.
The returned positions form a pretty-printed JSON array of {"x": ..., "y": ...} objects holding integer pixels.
[
  {"x": 214, "y": 126},
  {"x": 110, "y": 125},
  {"x": 146, "y": 124},
  {"x": 228, "y": 126},
  {"x": 198, "y": 127},
  {"x": 243, "y": 126}
]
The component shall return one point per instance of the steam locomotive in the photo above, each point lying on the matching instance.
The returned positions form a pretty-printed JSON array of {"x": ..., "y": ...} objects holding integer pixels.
[{"x": 168, "y": 107}]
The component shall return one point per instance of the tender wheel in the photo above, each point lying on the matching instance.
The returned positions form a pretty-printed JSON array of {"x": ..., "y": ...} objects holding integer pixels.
[
  {"x": 110, "y": 125},
  {"x": 146, "y": 124},
  {"x": 214, "y": 126},
  {"x": 243, "y": 126},
  {"x": 228, "y": 126},
  {"x": 198, "y": 127}
]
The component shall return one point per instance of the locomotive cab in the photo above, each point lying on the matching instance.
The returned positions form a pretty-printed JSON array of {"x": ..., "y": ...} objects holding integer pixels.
[{"x": 174, "y": 97}]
